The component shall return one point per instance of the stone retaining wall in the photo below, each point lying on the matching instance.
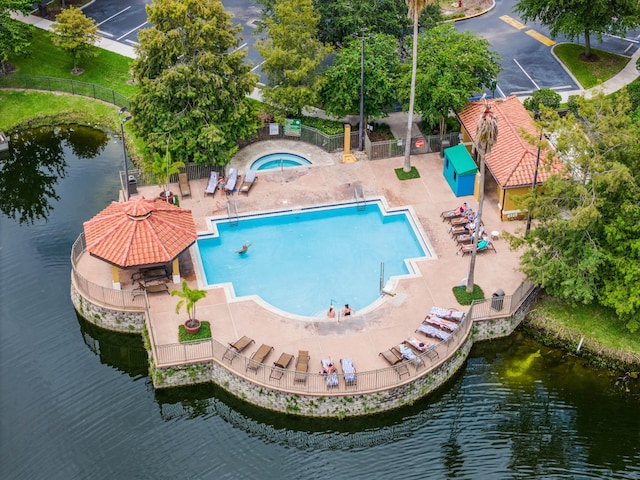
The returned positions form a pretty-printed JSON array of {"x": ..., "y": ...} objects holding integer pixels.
[
  {"x": 118, "y": 321},
  {"x": 332, "y": 406}
]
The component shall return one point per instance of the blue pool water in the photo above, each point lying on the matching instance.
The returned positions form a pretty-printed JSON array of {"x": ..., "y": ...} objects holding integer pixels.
[
  {"x": 300, "y": 262},
  {"x": 279, "y": 160}
]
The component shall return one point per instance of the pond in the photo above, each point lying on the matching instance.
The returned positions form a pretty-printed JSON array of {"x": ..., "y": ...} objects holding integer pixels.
[{"x": 76, "y": 401}]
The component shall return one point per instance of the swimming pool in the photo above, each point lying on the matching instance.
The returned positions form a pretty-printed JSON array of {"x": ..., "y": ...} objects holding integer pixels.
[
  {"x": 279, "y": 160},
  {"x": 301, "y": 262}
]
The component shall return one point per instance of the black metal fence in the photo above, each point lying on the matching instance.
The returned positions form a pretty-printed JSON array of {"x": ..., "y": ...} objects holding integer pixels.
[{"x": 52, "y": 84}]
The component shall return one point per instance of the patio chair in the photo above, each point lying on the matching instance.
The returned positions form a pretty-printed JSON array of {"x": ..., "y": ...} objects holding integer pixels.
[
  {"x": 395, "y": 359},
  {"x": 258, "y": 357},
  {"x": 232, "y": 179},
  {"x": 409, "y": 355},
  {"x": 280, "y": 365},
  {"x": 236, "y": 347},
  {"x": 447, "y": 313},
  {"x": 331, "y": 372},
  {"x": 249, "y": 180},
  {"x": 212, "y": 186},
  {"x": 422, "y": 347},
  {"x": 302, "y": 366},
  {"x": 483, "y": 246},
  {"x": 350, "y": 377},
  {"x": 183, "y": 184},
  {"x": 441, "y": 323},
  {"x": 433, "y": 332}
]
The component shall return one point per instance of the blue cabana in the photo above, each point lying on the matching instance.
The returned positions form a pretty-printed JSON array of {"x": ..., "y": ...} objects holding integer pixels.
[{"x": 459, "y": 170}]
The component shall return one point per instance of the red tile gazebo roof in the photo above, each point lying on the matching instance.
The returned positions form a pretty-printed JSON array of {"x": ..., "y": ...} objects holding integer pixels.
[
  {"x": 140, "y": 232},
  {"x": 512, "y": 160}
]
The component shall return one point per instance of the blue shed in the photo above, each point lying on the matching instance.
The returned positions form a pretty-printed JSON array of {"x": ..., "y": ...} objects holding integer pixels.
[{"x": 459, "y": 170}]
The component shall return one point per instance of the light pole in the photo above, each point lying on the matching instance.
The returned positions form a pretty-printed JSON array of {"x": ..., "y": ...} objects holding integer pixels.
[
  {"x": 361, "y": 131},
  {"x": 123, "y": 119},
  {"x": 533, "y": 184}
]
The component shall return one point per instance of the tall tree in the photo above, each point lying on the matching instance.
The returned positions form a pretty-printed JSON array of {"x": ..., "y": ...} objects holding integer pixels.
[
  {"x": 582, "y": 17},
  {"x": 193, "y": 82},
  {"x": 585, "y": 246},
  {"x": 486, "y": 137},
  {"x": 76, "y": 34},
  {"x": 341, "y": 94},
  {"x": 451, "y": 66},
  {"x": 292, "y": 57},
  {"x": 415, "y": 9},
  {"x": 14, "y": 35}
]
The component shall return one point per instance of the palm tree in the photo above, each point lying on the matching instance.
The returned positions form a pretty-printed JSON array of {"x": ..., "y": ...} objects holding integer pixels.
[
  {"x": 189, "y": 299},
  {"x": 415, "y": 9},
  {"x": 486, "y": 136}
]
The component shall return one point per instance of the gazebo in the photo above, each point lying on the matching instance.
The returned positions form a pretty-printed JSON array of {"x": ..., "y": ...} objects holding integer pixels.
[{"x": 140, "y": 233}]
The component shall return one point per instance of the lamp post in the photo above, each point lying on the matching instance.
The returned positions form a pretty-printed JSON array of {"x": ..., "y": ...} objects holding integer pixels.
[
  {"x": 361, "y": 131},
  {"x": 533, "y": 184},
  {"x": 125, "y": 111}
]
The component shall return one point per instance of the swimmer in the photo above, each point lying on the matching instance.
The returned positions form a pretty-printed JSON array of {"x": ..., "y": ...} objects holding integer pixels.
[
  {"x": 331, "y": 313},
  {"x": 244, "y": 249},
  {"x": 346, "y": 311}
]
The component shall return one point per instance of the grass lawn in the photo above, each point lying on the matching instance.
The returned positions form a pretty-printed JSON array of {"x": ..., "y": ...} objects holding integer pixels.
[
  {"x": 108, "y": 69},
  {"x": 19, "y": 106},
  {"x": 590, "y": 74},
  {"x": 594, "y": 322}
]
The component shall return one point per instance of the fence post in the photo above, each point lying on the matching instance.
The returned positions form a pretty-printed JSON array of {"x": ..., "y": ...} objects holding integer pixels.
[
  {"x": 94, "y": 91},
  {"x": 72, "y": 89},
  {"x": 113, "y": 94}
]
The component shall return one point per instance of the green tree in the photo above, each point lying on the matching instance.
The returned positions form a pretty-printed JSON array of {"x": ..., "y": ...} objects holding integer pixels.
[
  {"x": 189, "y": 298},
  {"x": 582, "y": 17},
  {"x": 585, "y": 246},
  {"x": 193, "y": 82},
  {"x": 292, "y": 57},
  {"x": 14, "y": 35},
  {"x": 341, "y": 94},
  {"x": 452, "y": 66},
  {"x": 415, "y": 9},
  {"x": 76, "y": 34}
]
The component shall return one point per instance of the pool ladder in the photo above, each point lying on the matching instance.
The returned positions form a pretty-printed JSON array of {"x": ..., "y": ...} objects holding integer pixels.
[
  {"x": 232, "y": 212},
  {"x": 358, "y": 194}
]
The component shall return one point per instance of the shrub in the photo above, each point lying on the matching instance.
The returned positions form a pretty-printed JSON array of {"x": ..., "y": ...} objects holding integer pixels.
[
  {"x": 464, "y": 298},
  {"x": 544, "y": 96}
]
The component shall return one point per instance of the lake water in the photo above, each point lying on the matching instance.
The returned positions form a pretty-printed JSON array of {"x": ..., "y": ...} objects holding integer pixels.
[{"x": 76, "y": 401}]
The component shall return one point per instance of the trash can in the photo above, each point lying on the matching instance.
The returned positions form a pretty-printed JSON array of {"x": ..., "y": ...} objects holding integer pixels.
[
  {"x": 443, "y": 145},
  {"x": 133, "y": 185},
  {"x": 497, "y": 300}
]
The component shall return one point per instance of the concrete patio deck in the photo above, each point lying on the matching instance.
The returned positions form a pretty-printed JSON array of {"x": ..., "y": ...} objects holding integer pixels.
[{"x": 374, "y": 329}]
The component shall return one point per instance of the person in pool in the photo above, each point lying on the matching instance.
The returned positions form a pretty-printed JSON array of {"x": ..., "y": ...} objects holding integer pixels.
[
  {"x": 244, "y": 249},
  {"x": 346, "y": 310}
]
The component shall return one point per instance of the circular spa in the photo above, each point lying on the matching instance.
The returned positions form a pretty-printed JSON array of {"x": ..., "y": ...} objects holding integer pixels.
[
  {"x": 279, "y": 160},
  {"x": 301, "y": 262}
]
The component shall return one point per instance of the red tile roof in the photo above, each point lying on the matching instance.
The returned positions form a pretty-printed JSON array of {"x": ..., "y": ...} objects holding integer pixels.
[
  {"x": 140, "y": 232},
  {"x": 512, "y": 159}
]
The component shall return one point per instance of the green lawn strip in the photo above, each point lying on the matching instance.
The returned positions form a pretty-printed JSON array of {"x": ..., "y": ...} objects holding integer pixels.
[
  {"x": 402, "y": 175},
  {"x": 108, "y": 69},
  {"x": 203, "y": 333},
  {"x": 590, "y": 74},
  {"x": 591, "y": 321},
  {"x": 464, "y": 298},
  {"x": 33, "y": 108}
]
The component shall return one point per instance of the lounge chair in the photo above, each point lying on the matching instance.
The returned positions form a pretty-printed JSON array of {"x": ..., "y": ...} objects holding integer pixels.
[
  {"x": 350, "y": 377},
  {"x": 441, "y": 323},
  {"x": 236, "y": 347},
  {"x": 447, "y": 313},
  {"x": 212, "y": 186},
  {"x": 183, "y": 184},
  {"x": 433, "y": 332},
  {"x": 249, "y": 180},
  {"x": 302, "y": 366},
  {"x": 258, "y": 357},
  {"x": 232, "y": 179},
  {"x": 331, "y": 372},
  {"x": 409, "y": 355},
  {"x": 483, "y": 246},
  {"x": 422, "y": 347},
  {"x": 395, "y": 359},
  {"x": 280, "y": 365}
]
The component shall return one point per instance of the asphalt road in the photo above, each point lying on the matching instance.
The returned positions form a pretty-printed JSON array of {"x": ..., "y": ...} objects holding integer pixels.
[{"x": 527, "y": 62}]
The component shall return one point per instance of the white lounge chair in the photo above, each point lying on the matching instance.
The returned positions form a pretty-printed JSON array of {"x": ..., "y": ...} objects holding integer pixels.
[{"x": 213, "y": 183}]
